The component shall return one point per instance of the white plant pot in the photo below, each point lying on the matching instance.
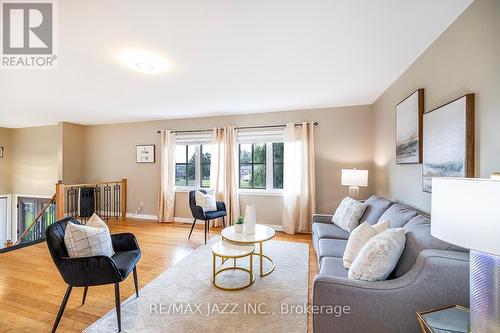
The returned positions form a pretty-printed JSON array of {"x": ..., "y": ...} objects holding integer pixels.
[{"x": 238, "y": 228}]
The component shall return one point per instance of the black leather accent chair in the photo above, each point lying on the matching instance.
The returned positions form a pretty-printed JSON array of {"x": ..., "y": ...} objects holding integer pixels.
[
  {"x": 93, "y": 271},
  {"x": 198, "y": 213}
]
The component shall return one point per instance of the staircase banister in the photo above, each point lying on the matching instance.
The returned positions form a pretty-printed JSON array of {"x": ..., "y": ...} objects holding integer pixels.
[{"x": 35, "y": 220}]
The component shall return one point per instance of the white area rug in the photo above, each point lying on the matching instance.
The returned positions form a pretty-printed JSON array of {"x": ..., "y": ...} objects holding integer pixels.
[{"x": 183, "y": 299}]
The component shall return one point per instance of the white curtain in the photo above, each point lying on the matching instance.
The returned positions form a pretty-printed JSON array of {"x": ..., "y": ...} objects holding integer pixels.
[
  {"x": 167, "y": 178},
  {"x": 224, "y": 171},
  {"x": 299, "y": 192}
]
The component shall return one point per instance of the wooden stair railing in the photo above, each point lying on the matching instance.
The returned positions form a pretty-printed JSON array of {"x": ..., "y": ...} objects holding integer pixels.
[
  {"x": 112, "y": 204},
  {"x": 110, "y": 199},
  {"x": 36, "y": 230}
]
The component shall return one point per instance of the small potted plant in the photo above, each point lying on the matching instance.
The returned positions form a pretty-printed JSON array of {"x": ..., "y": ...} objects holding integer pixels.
[{"x": 238, "y": 224}]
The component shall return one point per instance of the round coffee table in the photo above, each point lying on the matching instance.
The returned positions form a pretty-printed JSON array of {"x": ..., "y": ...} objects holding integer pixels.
[
  {"x": 226, "y": 250},
  {"x": 262, "y": 234}
]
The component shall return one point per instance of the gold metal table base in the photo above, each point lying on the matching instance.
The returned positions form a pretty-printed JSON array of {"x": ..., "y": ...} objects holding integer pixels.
[
  {"x": 215, "y": 272},
  {"x": 261, "y": 257}
]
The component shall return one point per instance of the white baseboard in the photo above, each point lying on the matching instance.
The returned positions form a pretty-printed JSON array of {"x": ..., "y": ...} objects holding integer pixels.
[
  {"x": 188, "y": 220},
  {"x": 142, "y": 216}
]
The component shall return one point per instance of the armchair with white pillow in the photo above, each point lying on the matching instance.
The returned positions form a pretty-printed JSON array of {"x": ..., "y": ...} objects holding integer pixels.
[{"x": 204, "y": 207}]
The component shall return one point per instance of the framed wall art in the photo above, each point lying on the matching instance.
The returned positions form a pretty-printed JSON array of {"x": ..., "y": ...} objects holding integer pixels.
[
  {"x": 145, "y": 153},
  {"x": 409, "y": 118},
  {"x": 448, "y": 136}
]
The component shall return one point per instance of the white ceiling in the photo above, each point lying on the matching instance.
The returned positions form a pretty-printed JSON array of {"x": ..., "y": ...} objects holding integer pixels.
[{"x": 226, "y": 57}]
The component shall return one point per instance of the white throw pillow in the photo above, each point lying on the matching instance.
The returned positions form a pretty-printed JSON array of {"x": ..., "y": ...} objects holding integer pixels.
[
  {"x": 206, "y": 201},
  {"x": 359, "y": 236},
  {"x": 379, "y": 256},
  {"x": 92, "y": 239},
  {"x": 348, "y": 214}
]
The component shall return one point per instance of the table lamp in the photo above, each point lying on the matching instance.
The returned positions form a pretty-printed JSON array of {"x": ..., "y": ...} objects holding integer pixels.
[
  {"x": 354, "y": 179},
  {"x": 466, "y": 212}
]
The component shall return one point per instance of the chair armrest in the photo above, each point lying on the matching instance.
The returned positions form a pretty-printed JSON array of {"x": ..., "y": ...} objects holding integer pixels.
[
  {"x": 438, "y": 278},
  {"x": 89, "y": 271},
  {"x": 198, "y": 212},
  {"x": 322, "y": 218},
  {"x": 124, "y": 242},
  {"x": 221, "y": 206}
]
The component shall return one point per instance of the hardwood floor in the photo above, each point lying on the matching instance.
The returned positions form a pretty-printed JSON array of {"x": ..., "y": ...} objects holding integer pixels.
[{"x": 31, "y": 288}]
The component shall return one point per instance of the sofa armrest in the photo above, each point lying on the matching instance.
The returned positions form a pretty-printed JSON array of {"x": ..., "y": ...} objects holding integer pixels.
[
  {"x": 322, "y": 218},
  {"x": 438, "y": 278}
]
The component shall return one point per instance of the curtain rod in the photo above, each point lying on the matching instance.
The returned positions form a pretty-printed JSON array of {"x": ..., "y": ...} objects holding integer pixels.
[{"x": 241, "y": 127}]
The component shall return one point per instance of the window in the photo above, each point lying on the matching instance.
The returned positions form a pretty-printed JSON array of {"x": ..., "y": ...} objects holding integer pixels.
[
  {"x": 205, "y": 160},
  {"x": 192, "y": 165},
  {"x": 253, "y": 165},
  {"x": 257, "y": 169},
  {"x": 278, "y": 165},
  {"x": 185, "y": 165}
]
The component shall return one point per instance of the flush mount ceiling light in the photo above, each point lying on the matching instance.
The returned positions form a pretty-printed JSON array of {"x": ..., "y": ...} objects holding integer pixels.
[{"x": 143, "y": 61}]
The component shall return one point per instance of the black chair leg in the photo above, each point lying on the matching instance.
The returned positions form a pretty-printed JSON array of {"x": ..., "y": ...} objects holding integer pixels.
[
  {"x": 61, "y": 309},
  {"x": 136, "y": 284},
  {"x": 223, "y": 222},
  {"x": 206, "y": 230},
  {"x": 194, "y": 222},
  {"x": 84, "y": 294},
  {"x": 118, "y": 306}
]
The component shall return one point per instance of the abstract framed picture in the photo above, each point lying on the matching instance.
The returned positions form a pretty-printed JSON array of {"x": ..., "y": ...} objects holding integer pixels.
[
  {"x": 409, "y": 118},
  {"x": 1, "y": 152},
  {"x": 449, "y": 141},
  {"x": 145, "y": 153}
]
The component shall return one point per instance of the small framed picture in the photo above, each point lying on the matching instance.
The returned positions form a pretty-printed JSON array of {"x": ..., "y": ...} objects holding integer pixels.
[
  {"x": 1, "y": 152},
  {"x": 145, "y": 153}
]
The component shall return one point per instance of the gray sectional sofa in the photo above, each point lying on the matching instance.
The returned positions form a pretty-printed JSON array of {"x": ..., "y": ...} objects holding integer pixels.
[{"x": 429, "y": 274}]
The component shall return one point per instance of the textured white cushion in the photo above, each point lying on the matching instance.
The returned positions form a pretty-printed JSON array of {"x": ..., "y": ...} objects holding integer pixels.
[
  {"x": 92, "y": 239},
  {"x": 379, "y": 256},
  {"x": 359, "y": 236},
  {"x": 348, "y": 214},
  {"x": 206, "y": 201}
]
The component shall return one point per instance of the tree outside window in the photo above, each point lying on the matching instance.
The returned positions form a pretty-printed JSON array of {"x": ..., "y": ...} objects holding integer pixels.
[
  {"x": 252, "y": 165},
  {"x": 278, "y": 148},
  {"x": 205, "y": 160}
]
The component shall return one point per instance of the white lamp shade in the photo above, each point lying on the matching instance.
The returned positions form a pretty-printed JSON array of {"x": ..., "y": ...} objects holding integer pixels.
[
  {"x": 354, "y": 177},
  {"x": 466, "y": 212}
]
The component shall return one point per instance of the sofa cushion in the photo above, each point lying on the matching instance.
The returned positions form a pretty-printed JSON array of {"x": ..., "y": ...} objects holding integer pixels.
[
  {"x": 376, "y": 206},
  {"x": 398, "y": 215},
  {"x": 331, "y": 248},
  {"x": 419, "y": 238},
  {"x": 329, "y": 230},
  {"x": 333, "y": 267},
  {"x": 379, "y": 256},
  {"x": 348, "y": 214},
  {"x": 359, "y": 237}
]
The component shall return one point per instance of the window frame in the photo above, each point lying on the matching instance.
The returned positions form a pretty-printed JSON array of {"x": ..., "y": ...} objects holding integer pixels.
[
  {"x": 282, "y": 163},
  {"x": 269, "y": 190},
  {"x": 186, "y": 164},
  {"x": 197, "y": 167},
  {"x": 200, "y": 147},
  {"x": 252, "y": 164}
]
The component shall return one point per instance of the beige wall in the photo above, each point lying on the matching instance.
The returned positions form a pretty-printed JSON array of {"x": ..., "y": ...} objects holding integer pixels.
[
  {"x": 73, "y": 153},
  {"x": 343, "y": 139},
  {"x": 464, "y": 59},
  {"x": 34, "y": 160},
  {"x": 5, "y": 167}
]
